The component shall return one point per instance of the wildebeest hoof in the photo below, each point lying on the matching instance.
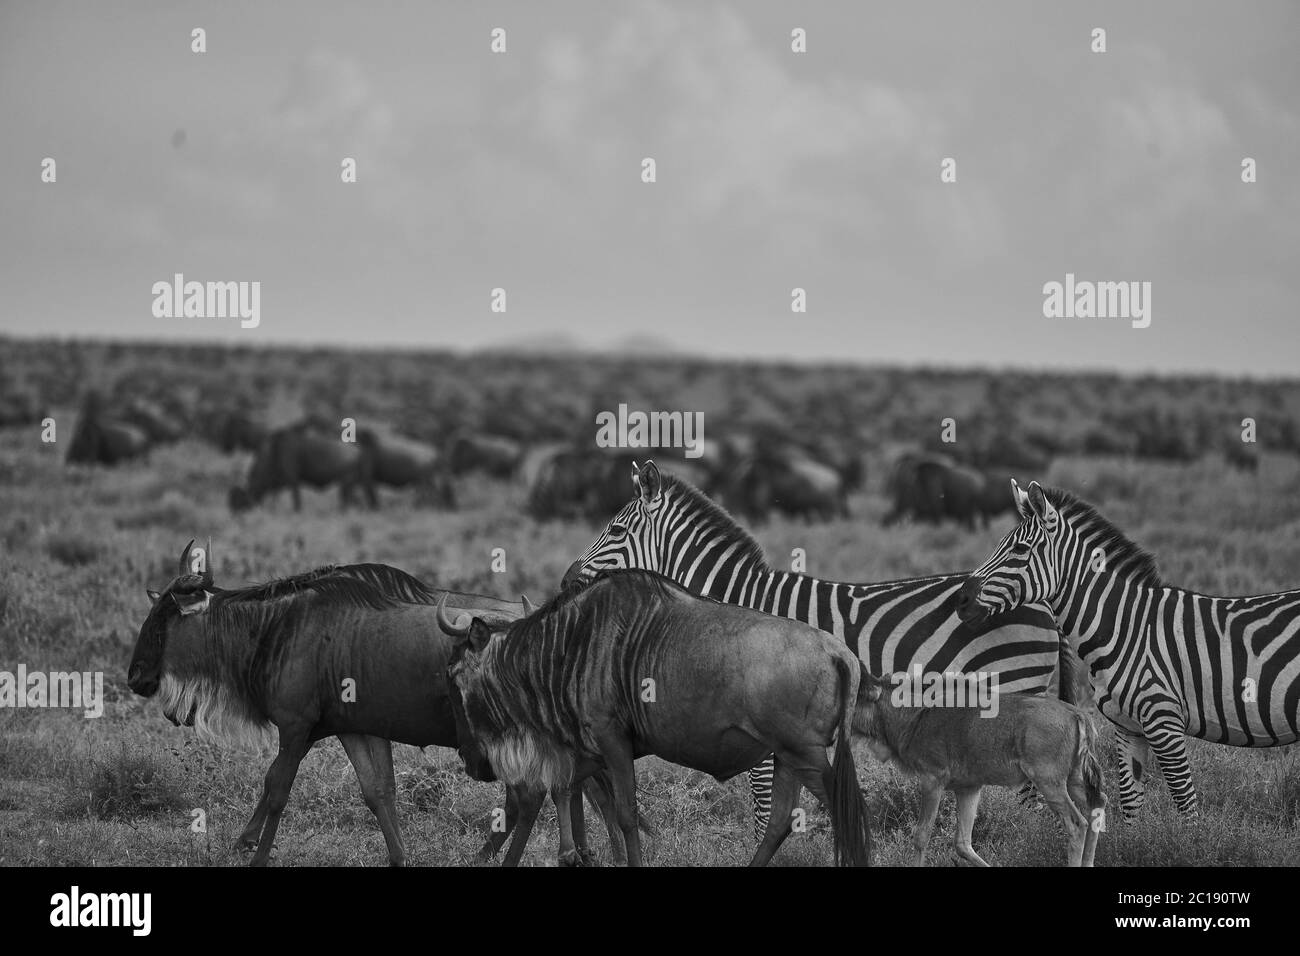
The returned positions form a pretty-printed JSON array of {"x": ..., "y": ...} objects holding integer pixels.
[
  {"x": 572, "y": 858},
  {"x": 586, "y": 856}
]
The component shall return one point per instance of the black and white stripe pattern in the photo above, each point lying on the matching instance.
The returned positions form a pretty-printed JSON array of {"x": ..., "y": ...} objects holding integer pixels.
[
  {"x": 1164, "y": 662},
  {"x": 672, "y": 528}
]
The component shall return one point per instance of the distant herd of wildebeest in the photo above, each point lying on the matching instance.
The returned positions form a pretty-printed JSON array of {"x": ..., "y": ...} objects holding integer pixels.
[
  {"x": 754, "y": 472},
  {"x": 741, "y": 669}
]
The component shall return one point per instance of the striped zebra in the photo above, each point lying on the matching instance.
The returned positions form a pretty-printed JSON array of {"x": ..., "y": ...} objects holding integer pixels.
[
  {"x": 672, "y": 528},
  {"x": 1164, "y": 662}
]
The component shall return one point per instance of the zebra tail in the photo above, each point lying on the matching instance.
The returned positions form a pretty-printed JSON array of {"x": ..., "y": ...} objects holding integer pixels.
[{"x": 849, "y": 820}]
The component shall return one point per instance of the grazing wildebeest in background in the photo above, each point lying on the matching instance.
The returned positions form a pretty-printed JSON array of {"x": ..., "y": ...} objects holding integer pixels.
[
  {"x": 400, "y": 462},
  {"x": 493, "y": 455},
  {"x": 101, "y": 440},
  {"x": 233, "y": 663},
  {"x": 303, "y": 453},
  {"x": 235, "y": 429},
  {"x": 788, "y": 480},
  {"x": 573, "y": 481},
  {"x": 933, "y": 488},
  {"x": 20, "y": 407},
  {"x": 163, "y": 426},
  {"x": 633, "y": 665},
  {"x": 1028, "y": 739}
]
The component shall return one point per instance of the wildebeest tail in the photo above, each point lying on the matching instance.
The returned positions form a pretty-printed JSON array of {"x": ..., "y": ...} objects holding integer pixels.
[
  {"x": 1086, "y": 760},
  {"x": 848, "y": 808}
]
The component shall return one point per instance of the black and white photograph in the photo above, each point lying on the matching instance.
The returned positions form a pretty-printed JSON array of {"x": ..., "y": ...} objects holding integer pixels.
[{"x": 651, "y": 433}]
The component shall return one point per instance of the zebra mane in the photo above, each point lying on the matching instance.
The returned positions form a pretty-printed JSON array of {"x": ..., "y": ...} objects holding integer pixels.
[
  {"x": 1136, "y": 563},
  {"x": 713, "y": 517}
]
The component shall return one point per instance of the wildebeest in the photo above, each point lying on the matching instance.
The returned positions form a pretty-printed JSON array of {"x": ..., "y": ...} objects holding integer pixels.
[
  {"x": 303, "y": 454},
  {"x": 573, "y": 481},
  {"x": 351, "y": 651},
  {"x": 777, "y": 475},
  {"x": 400, "y": 462},
  {"x": 102, "y": 440},
  {"x": 20, "y": 407},
  {"x": 633, "y": 665},
  {"x": 933, "y": 488},
  {"x": 493, "y": 455},
  {"x": 1028, "y": 739},
  {"x": 235, "y": 429},
  {"x": 162, "y": 425}
]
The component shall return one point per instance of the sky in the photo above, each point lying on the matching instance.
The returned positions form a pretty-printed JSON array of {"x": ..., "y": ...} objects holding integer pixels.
[{"x": 774, "y": 170}]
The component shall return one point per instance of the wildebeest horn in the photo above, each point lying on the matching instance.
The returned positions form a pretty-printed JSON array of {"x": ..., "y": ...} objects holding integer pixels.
[
  {"x": 454, "y": 628},
  {"x": 185, "y": 558},
  {"x": 529, "y": 608},
  {"x": 207, "y": 565}
]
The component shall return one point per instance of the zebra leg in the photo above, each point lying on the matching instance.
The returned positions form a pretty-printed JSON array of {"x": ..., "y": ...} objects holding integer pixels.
[
  {"x": 760, "y": 788},
  {"x": 1133, "y": 753},
  {"x": 1167, "y": 735}
]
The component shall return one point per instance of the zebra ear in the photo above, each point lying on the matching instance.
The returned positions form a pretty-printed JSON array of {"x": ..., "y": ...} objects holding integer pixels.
[
  {"x": 650, "y": 482},
  {"x": 1020, "y": 498},
  {"x": 1043, "y": 509}
]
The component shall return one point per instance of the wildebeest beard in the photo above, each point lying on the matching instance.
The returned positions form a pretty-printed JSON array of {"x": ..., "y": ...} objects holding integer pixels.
[{"x": 525, "y": 696}]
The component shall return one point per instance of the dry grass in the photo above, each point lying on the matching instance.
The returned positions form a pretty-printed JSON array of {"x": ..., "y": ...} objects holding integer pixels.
[{"x": 79, "y": 548}]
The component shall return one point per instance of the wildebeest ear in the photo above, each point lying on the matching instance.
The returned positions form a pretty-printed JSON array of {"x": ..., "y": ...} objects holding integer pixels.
[
  {"x": 650, "y": 481},
  {"x": 193, "y": 603},
  {"x": 479, "y": 635},
  {"x": 1043, "y": 509},
  {"x": 153, "y": 595}
]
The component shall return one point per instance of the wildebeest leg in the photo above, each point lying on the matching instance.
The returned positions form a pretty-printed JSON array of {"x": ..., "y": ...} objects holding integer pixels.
[
  {"x": 931, "y": 794},
  {"x": 578, "y": 827},
  {"x": 562, "y": 797},
  {"x": 296, "y": 491},
  {"x": 785, "y": 791},
  {"x": 1076, "y": 824},
  {"x": 597, "y": 788},
  {"x": 497, "y": 838},
  {"x": 1079, "y": 796},
  {"x": 248, "y": 839},
  {"x": 372, "y": 758},
  {"x": 617, "y": 751},
  {"x": 530, "y": 804},
  {"x": 968, "y": 805},
  {"x": 279, "y": 781}
]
